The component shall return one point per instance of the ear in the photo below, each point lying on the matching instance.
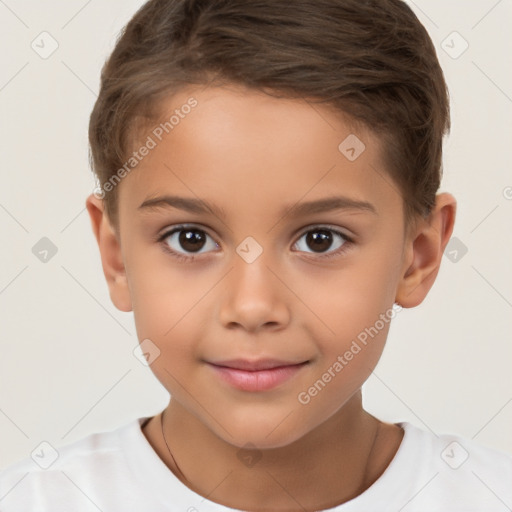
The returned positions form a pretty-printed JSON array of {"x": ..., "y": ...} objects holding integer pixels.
[
  {"x": 111, "y": 256},
  {"x": 425, "y": 248}
]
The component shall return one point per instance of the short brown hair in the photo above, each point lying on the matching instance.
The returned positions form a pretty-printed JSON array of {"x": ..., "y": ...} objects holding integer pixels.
[{"x": 370, "y": 59}]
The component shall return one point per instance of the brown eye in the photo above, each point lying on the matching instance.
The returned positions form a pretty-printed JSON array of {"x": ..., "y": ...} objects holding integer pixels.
[
  {"x": 191, "y": 239},
  {"x": 184, "y": 241},
  {"x": 320, "y": 240}
]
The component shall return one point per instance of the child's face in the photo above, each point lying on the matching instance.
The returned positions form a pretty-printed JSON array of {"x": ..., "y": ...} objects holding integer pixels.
[{"x": 253, "y": 157}]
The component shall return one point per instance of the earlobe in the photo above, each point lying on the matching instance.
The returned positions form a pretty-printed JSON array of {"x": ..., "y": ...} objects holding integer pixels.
[
  {"x": 111, "y": 255},
  {"x": 425, "y": 251}
]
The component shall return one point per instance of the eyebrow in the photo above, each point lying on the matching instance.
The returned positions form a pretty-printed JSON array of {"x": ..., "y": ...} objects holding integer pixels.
[{"x": 201, "y": 206}]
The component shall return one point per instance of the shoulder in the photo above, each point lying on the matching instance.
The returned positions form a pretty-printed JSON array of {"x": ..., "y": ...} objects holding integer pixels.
[
  {"x": 63, "y": 475},
  {"x": 457, "y": 471},
  {"x": 454, "y": 450}
]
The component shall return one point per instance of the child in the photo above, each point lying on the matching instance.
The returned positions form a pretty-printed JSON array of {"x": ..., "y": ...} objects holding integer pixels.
[{"x": 268, "y": 174}]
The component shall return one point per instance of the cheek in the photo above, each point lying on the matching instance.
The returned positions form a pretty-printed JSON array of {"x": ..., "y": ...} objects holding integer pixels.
[
  {"x": 343, "y": 369},
  {"x": 347, "y": 306},
  {"x": 164, "y": 293},
  {"x": 353, "y": 298},
  {"x": 170, "y": 310},
  {"x": 170, "y": 321},
  {"x": 355, "y": 307}
]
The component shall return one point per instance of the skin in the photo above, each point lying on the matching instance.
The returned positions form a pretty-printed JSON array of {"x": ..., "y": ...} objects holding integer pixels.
[{"x": 252, "y": 155}]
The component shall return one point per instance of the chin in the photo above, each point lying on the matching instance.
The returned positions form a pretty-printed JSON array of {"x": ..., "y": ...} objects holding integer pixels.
[
  {"x": 260, "y": 432},
  {"x": 257, "y": 441}
]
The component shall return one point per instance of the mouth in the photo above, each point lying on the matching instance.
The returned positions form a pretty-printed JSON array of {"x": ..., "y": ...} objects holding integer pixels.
[{"x": 260, "y": 375}]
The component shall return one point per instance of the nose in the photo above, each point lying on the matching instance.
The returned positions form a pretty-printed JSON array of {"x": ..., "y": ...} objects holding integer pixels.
[{"x": 253, "y": 297}]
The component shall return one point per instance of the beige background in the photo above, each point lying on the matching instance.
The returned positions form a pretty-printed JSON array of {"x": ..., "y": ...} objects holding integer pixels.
[{"x": 67, "y": 367}]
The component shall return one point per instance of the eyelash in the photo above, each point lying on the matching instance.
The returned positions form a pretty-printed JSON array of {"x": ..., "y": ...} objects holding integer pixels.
[{"x": 181, "y": 257}]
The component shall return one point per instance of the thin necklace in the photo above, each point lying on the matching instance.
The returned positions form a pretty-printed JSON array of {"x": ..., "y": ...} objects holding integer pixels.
[
  {"x": 170, "y": 453},
  {"x": 362, "y": 487},
  {"x": 363, "y": 481}
]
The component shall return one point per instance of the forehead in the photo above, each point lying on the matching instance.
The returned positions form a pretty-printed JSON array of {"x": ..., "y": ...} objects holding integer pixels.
[{"x": 246, "y": 151}]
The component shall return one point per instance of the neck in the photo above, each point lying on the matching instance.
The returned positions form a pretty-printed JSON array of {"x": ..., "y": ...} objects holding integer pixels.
[{"x": 330, "y": 465}]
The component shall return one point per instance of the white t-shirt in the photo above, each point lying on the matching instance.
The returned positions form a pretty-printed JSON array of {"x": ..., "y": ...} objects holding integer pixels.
[{"x": 119, "y": 471}]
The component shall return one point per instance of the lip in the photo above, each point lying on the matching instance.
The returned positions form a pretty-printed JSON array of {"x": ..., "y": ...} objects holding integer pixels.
[
  {"x": 260, "y": 375},
  {"x": 256, "y": 365}
]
